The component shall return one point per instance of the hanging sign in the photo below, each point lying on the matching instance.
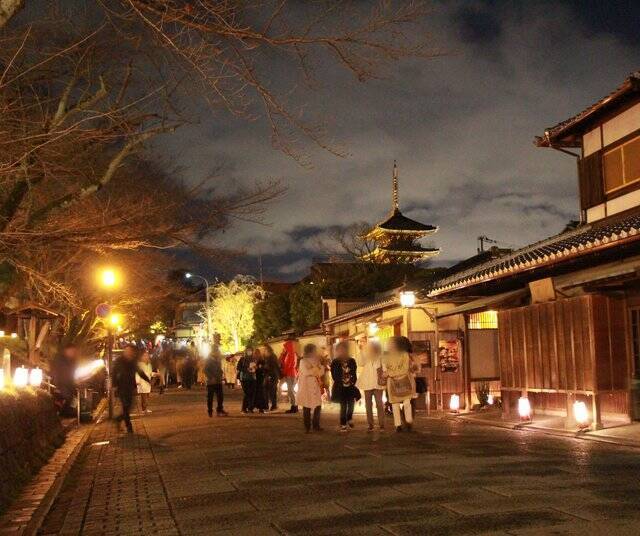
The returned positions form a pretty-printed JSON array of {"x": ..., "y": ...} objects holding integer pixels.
[{"x": 449, "y": 355}]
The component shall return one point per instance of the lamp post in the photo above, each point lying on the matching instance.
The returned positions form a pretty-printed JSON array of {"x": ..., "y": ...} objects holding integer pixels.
[
  {"x": 190, "y": 275},
  {"x": 108, "y": 279},
  {"x": 408, "y": 301}
]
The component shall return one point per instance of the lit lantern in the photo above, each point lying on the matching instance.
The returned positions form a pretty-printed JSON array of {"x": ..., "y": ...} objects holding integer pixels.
[
  {"x": 490, "y": 400},
  {"x": 14, "y": 335},
  {"x": 454, "y": 403},
  {"x": 372, "y": 328},
  {"x": 407, "y": 298},
  {"x": 524, "y": 408},
  {"x": 1, "y": 333},
  {"x": 1, "y": 379},
  {"x": 35, "y": 377},
  {"x": 580, "y": 413},
  {"x": 21, "y": 377}
]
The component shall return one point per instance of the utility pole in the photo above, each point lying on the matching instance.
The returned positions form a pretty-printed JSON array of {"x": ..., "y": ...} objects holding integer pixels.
[{"x": 482, "y": 239}]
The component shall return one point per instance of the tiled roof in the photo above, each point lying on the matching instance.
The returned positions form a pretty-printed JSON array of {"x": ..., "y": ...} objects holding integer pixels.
[
  {"x": 583, "y": 240},
  {"x": 399, "y": 222},
  {"x": 631, "y": 84}
]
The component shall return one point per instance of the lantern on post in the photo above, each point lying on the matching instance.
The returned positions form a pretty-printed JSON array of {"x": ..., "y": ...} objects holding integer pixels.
[{"x": 21, "y": 377}]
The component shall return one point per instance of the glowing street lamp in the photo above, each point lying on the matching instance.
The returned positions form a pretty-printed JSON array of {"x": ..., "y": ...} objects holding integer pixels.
[
  {"x": 115, "y": 319},
  {"x": 407, "y": 298},
  {"x": 108, "y": 278}
]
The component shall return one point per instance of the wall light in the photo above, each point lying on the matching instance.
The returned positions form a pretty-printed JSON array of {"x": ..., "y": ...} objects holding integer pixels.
[
  {"x": 372, "y": 328},
  {"x": 454, "y": 403},
  {"x": 581, "y": 413},
  {"x": 35, "y": 377},
  {"x": 524, "y": 408},
  {"x": 20, "y": 377}
]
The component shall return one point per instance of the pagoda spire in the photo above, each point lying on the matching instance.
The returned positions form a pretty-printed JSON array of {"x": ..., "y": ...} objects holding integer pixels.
[{"x": 396, "y": 206}]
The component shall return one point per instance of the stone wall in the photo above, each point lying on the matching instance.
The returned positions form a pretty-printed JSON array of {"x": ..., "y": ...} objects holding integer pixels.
[{"x": 30, "y": 431}]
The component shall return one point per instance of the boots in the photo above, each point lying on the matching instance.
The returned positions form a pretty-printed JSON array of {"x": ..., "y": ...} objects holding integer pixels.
[{"x": 294, "y": 409}]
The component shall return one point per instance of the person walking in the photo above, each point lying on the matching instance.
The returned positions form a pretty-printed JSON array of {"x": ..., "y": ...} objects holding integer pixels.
[
  {"x": 272, "y": 376},
  {"x": 398, "y": 369},
  {"x": 261, "y": 402},
  {"x": 247, "y": 374},
  {"x": 310, "y": 373},
  {"x": 144, "y": 386},
  {"x": 289, "y": 371},
  {"x": 214, "y": 376},
  {"x": 344, "y": 391},
  {"x": 369, "y": 381},
  {"x": 62, "y": 374},
  {"x": 125, "y": 368}
]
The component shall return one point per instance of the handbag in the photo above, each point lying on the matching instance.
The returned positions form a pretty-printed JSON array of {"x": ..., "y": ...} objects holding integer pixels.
[
  {"x": 401, "y": 387},
  {"x": 382, "y": 379}
]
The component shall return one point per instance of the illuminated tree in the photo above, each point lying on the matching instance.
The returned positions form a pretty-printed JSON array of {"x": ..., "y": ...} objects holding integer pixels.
[{"x": 231, "y": 310}]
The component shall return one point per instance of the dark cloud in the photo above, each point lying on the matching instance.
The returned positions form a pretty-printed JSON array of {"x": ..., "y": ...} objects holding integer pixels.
[{"x": 461, "y": 127}]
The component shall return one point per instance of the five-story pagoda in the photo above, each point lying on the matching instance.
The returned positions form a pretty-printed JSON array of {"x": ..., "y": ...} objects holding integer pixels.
[{"x": 397, "y": 237}]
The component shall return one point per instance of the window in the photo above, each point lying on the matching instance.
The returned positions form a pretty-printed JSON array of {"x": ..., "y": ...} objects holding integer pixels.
[
  {"x": 622, "y": 165},
  {"x": 483, "y": 320}
]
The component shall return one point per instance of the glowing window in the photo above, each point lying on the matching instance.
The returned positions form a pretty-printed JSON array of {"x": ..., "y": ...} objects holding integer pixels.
[{"x": 483, "y": 320}]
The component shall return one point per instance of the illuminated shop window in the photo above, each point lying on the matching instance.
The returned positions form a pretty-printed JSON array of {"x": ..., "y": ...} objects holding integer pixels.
[{"x": 483, "y": 320}]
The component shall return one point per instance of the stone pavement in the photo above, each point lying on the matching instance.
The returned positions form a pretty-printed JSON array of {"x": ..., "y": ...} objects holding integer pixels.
[{"x": 184, "y": 473}]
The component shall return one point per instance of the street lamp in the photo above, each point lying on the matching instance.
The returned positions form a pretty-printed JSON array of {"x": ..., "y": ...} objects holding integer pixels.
[
  {"x": 190, "y": 275},
  {"x": 108, "y": 278},
  {"x": 408, "y": 301}
]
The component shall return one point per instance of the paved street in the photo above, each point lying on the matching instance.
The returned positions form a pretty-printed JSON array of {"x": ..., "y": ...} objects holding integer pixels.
[{"x": 183, "y": 473}]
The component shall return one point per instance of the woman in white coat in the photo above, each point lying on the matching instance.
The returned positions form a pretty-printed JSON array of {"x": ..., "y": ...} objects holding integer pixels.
[
  {"x": 144, "y": 387},
  {"x": 310, "y": 373},
  {"x": 399, "y": 371},
  {"x": 369, "y": 378}
]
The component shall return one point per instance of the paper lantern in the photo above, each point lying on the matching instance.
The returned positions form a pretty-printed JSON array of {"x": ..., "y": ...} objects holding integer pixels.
[
  {"x": 524, "y": 408},
  {"x": 20, "y": 377},
  {"x": 35, "y": 377},
  {"x": 454, "y": 403},
  {"x": 580, "y": 413}
]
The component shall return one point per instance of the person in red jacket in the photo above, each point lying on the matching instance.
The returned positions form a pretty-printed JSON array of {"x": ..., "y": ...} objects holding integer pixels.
[{"x": 289, "y": 372}]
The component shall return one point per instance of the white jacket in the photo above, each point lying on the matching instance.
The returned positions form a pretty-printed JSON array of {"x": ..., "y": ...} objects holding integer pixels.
[{"x": 368, "y": 375}]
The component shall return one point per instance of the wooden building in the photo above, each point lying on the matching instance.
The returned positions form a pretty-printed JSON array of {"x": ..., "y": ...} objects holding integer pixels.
[{"x": 567, "y": 308}]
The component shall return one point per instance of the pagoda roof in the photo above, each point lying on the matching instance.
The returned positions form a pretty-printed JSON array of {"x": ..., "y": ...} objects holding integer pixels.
[
  {"x": 417, "y": 252},
  {"x": 400, "y": 223}
]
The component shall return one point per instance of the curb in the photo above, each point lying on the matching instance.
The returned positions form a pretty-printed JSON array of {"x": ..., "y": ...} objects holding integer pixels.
[
  {"x": 38, "y": 515},
  {"x": 584, "y": 436}
]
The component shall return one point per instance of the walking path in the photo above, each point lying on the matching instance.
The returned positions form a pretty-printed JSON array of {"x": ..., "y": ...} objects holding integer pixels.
[{"x": 184, "y": 473}]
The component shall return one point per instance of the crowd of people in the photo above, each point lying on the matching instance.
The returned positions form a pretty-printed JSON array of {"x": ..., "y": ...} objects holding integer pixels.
[{"x": 308, "y": 380}]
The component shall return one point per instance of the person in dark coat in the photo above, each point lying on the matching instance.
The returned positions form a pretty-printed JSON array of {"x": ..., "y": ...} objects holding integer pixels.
[
  {"x": 344, "y": 391},
  {"x": 62, "y": 373},
  {"x": 272, "y": 376},
  {"x": 247, "y": 375},
  {"x": 125, "y": 368},
  {"x": 215, "y": 378},
  {"x": 261, "y": 382}
]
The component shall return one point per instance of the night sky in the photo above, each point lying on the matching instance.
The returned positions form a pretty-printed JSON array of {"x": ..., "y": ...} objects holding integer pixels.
[{"x": 461, "y": 127}]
